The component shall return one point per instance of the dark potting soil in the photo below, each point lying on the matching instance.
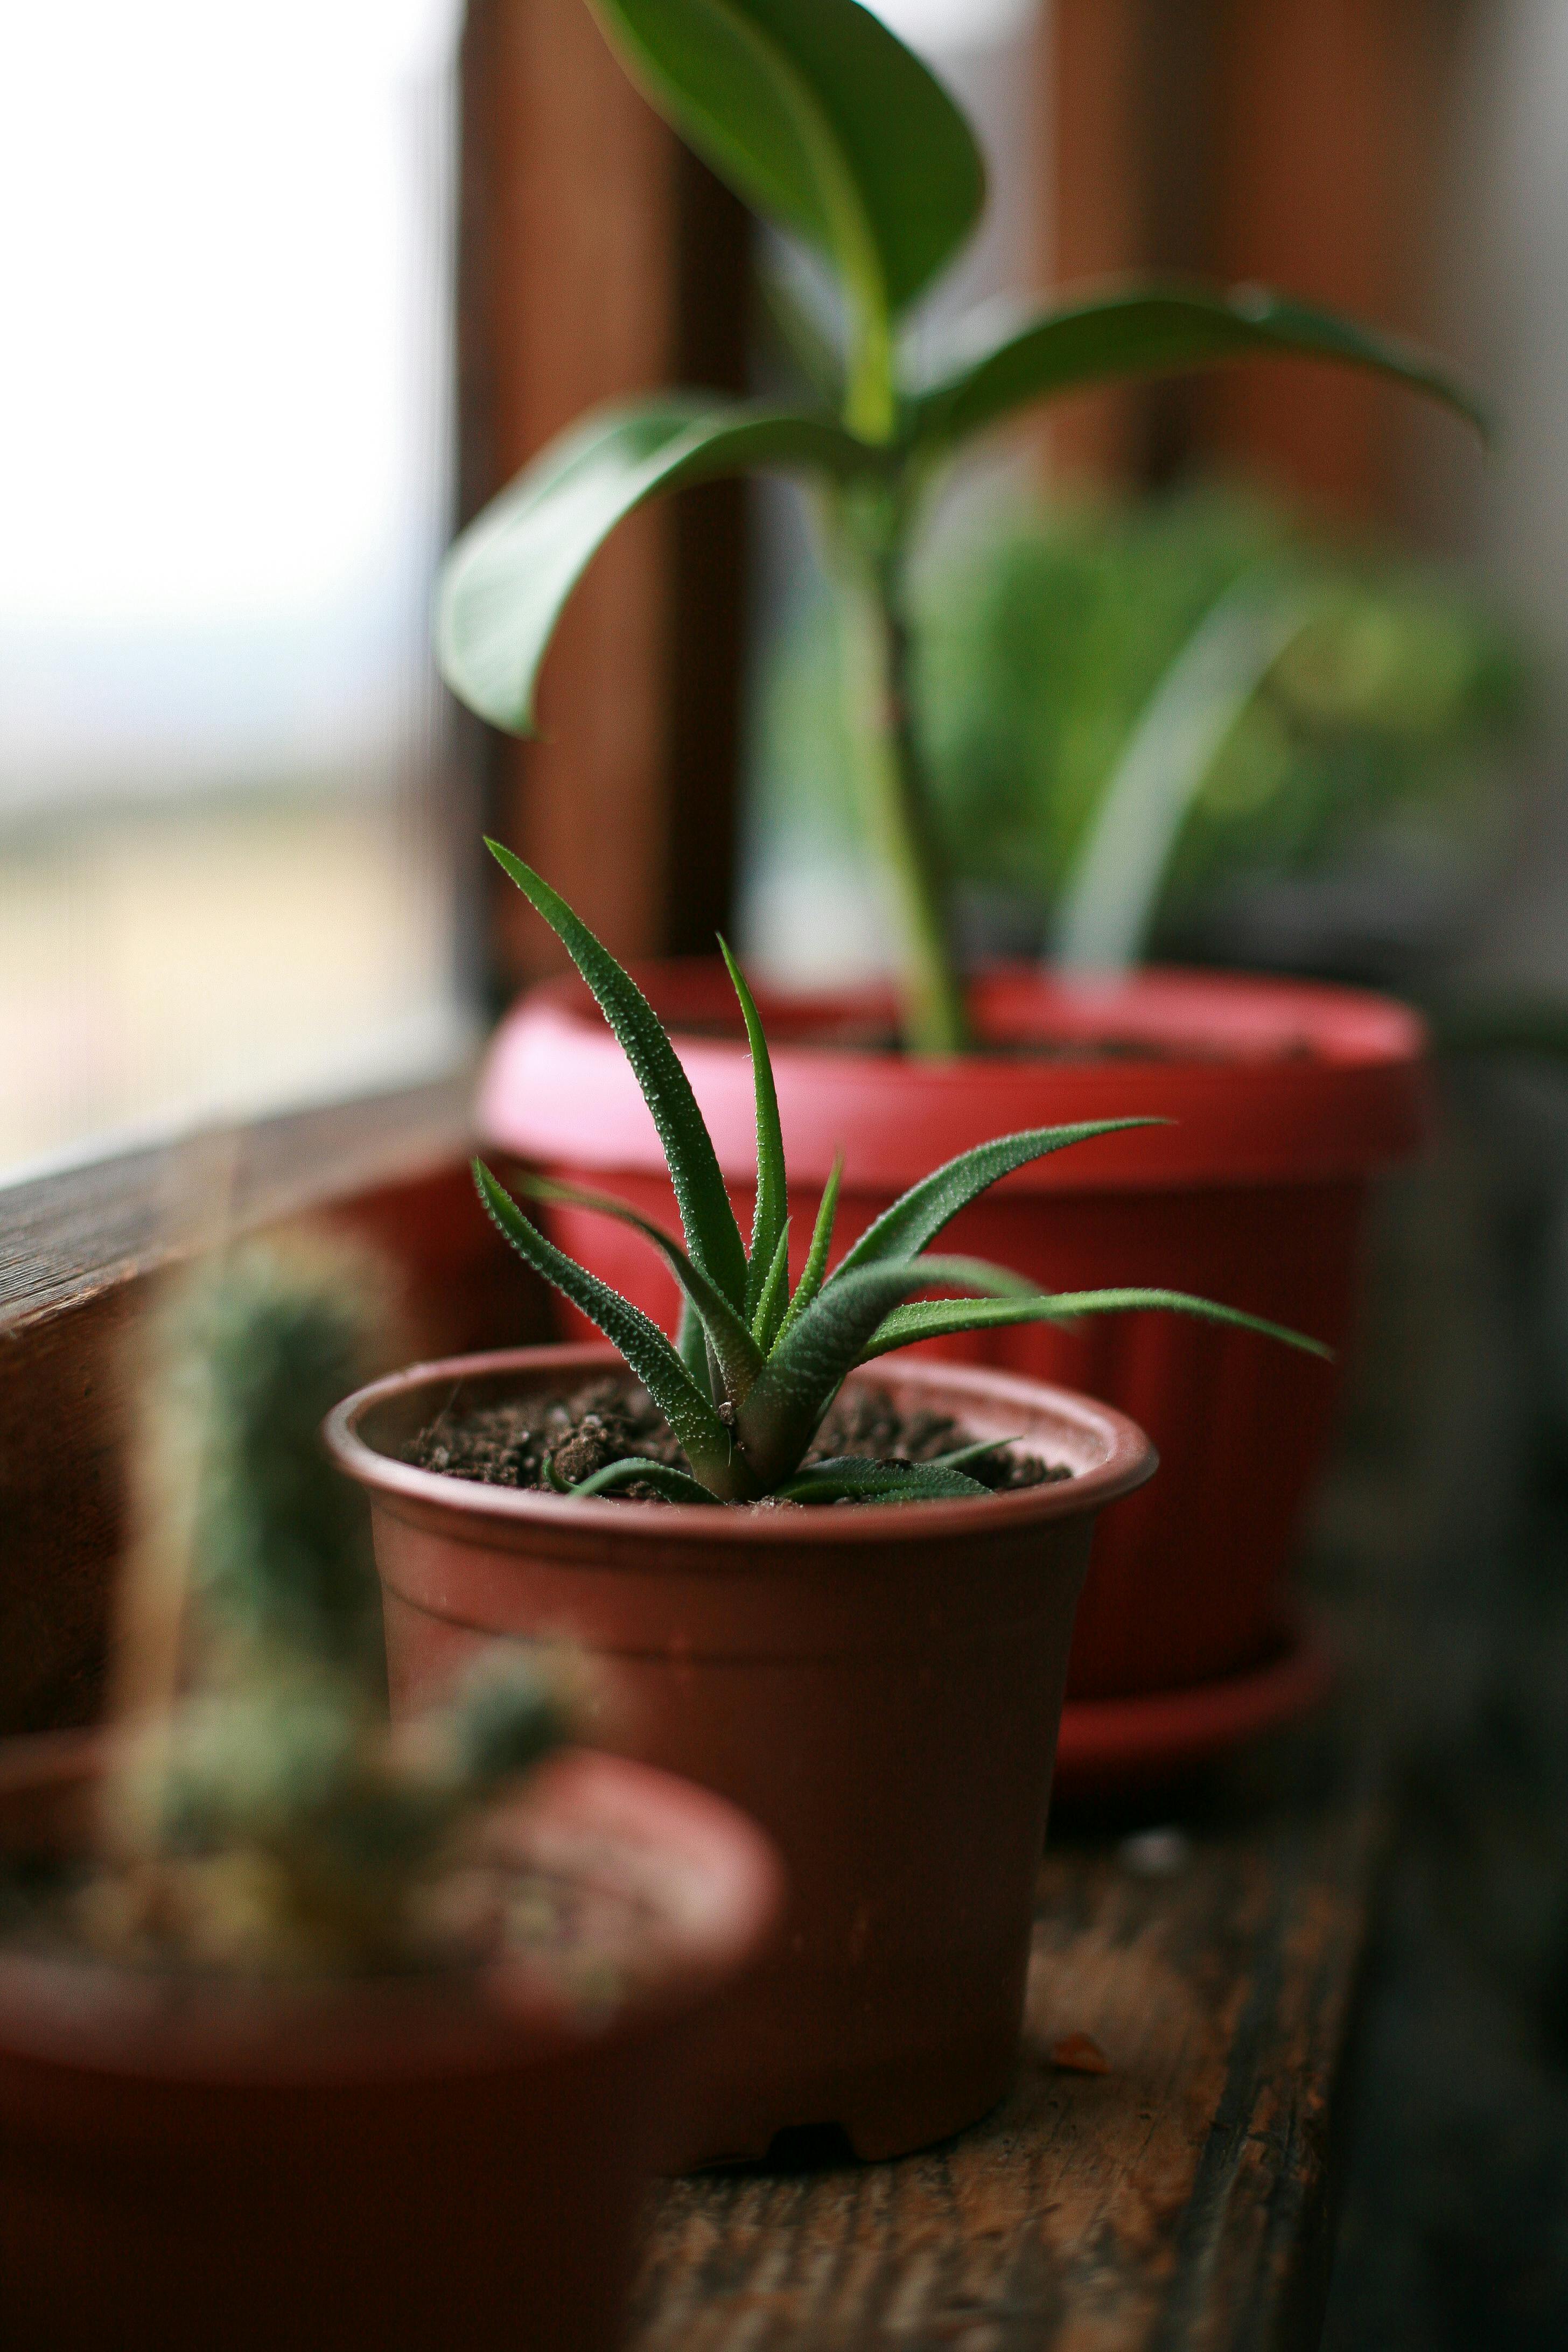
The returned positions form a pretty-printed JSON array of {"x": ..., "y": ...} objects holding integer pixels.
[{"x": 510, "y": 1444}]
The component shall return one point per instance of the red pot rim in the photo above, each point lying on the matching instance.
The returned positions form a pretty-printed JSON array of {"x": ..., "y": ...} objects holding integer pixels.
[
  {"x": 721, "y": 1901},
  {"x": 1125, "y": 1460},
  {"x": 1289, "y": 1081}
]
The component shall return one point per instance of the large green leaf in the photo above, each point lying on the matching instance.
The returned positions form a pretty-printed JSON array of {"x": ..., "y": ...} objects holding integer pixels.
[
  {"x": 943, "y": 1319},
  {"x": 1158, "y": 330},
  {"x": 771, "y": 1212},
  {"x": 917, "y": 1216},
  {"x": 819, "y": 117},
  {"x": 698, "y": 1430},
  {"x": 806, "y": 1369},
  {"x": 711, "y": 1234},
  {"x": 739, "y": 1356},
  {"x": 504, "y": 583}
]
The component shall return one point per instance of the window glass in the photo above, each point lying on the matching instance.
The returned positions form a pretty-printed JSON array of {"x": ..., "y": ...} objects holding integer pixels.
[{"x": 225, "y": 821}]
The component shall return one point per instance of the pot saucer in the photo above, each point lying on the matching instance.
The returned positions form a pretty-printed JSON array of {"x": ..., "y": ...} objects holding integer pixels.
[{"x": 1116, "y": 1744}]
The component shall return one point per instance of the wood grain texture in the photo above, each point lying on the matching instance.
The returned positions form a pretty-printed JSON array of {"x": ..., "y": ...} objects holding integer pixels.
[{"x": 1178, "y": 2203}]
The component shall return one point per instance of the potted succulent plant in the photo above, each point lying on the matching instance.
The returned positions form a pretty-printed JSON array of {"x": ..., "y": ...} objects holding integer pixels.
[
  {"x": 1288, "y": 1098},
  {"x": 313, "y": 2031},
  {"x": 840, "y": 1597}
]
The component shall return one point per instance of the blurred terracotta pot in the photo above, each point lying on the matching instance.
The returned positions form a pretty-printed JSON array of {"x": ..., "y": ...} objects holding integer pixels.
[
  {"x": 1284, "y": 1099},
  {"x": 198, "y": 2160},
  {"x": 880, "y": 1687}
]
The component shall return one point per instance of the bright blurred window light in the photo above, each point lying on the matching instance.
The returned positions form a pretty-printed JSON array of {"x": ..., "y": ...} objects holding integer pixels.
[{"x": 225, "y": 870}]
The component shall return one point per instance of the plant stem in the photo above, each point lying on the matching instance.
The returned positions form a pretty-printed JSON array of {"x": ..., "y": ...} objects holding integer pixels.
[{"x": 895, "y": 800}]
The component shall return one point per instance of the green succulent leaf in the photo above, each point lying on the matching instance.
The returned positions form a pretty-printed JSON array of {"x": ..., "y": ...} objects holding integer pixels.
[
  {"x": 712, "y": 1235},
  {"x": 919, "y": 1215},
  {"x": 850, "y": 1479},
  {"x": 814, "y": 1270},
  {"x": 770, "y": 1213},
  {"x": 775, "y": 1298},
  {"x": 692, "y": 1346},
  {"x": 807, "y": 1366},
  {"x": 506, "y": 581},
  {"x": 943, "y": 1319},
  {"x": 1158, "y": 330},
  {"x": 738, "y": 1357},
  {"x": 696, "y": 1425},
  {"x": 975, "y": 1453},
  {"x": 678, "y": 1485},
  {"x": 820, "y": 118}
]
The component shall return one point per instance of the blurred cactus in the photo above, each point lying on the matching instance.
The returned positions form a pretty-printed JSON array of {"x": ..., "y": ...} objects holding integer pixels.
[{"x": 262, "y": 1812}]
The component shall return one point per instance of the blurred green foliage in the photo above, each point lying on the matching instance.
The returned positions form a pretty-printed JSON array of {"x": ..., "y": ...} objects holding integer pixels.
[{"x": 1040, "y": 642}]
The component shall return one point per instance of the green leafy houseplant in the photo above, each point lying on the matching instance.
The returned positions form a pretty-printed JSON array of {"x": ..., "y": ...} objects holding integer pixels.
[
  {"x": 262, "y": 1815},
  {"x": 756, "y": 1367},
  {"x": 1296, "y": 706},
  {"x": 826, "y": 123}
]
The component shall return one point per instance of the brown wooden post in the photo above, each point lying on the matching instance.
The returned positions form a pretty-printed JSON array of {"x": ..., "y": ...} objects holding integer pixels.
[
  {"x": 1319, "y": 185},
  {"x": 582, "y": 219},
  {"x": 1096, "y": 203}
]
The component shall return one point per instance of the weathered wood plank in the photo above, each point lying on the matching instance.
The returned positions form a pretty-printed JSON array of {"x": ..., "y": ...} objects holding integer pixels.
[{"x": 1179, "y": 2200}]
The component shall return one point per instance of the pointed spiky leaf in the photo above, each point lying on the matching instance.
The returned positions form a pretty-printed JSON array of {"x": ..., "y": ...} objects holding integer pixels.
[
  {"x": 712, "y": 1236},
  {"x": 963, "y": 1454},
  {"x": 806, "y": 1370},
  {"x": 851, "y": 1479},
  {"x": 740, "y": 1359},
  {"x": 677, "y": 1485},
  {"x": 774, "y": 1296},
  {"x": 943, "y": 1319},
  {"x": 771, "y": 1209},
  {"x": 919, "y": 1215},
  {"x": 814, "y": 1270},
  {"x": 691, "y": 1347},
  {"x": 697, "y": 1427}
]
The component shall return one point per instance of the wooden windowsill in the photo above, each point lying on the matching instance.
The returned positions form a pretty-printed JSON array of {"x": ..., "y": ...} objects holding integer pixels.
[
  {"x": 1182, "y": 2202},
  {"x": 68, "y": 1235}
]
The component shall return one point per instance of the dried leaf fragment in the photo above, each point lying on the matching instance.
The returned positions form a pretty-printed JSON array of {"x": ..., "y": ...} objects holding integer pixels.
[{"x": 1080, "y": 2053}]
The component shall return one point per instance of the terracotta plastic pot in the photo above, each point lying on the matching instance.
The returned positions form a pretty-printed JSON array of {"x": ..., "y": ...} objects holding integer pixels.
[
  {"x": 1284, "y": 1099},
  {"x": 878, "y": 1686},
  {"x": 391, "y": 2163}
]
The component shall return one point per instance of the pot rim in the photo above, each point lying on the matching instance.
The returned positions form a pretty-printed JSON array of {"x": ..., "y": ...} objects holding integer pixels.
[
  {"x": 1170, "y": 1006},
  {"x": 720, "y": 1907},
  {"x": 1248, "y": 1106},
  {"x": 1129, "y": 1460}
]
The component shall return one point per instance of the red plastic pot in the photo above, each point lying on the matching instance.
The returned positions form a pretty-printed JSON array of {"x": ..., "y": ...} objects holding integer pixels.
[
  {"x": 389, "y": 2163},
  {"x": 1284, "y": 1100},
  {"x": 880, "y": 1687}
]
